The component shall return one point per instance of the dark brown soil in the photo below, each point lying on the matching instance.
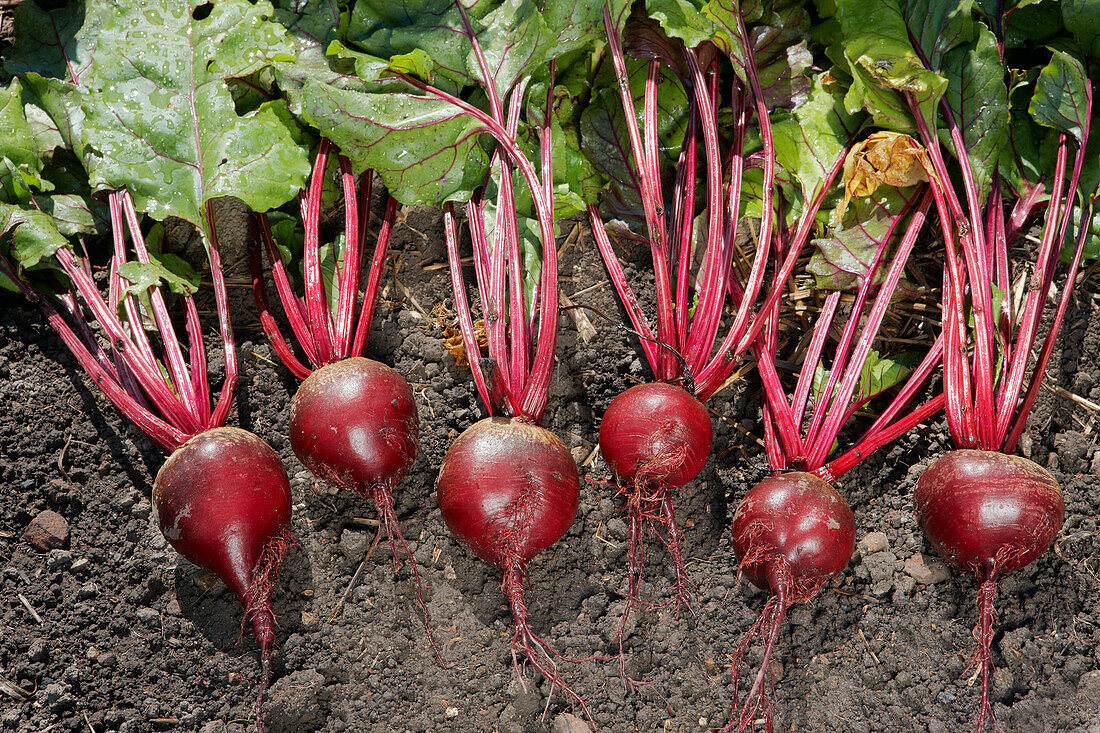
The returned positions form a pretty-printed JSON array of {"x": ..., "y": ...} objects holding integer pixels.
[{"x": 133, "y": 638}]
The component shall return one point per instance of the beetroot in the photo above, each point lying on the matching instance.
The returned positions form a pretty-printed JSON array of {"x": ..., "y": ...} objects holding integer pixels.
[
  {"x": 509, "y": 489},
  {"x": 353, "y": 423},
  {"x": 655, "y": 437},
  {"x": 656, "y": 432},
  {"x": 223, "y": 502},
  {"x": 988, "y": 513},
  {"x": 791, "y": 533}
]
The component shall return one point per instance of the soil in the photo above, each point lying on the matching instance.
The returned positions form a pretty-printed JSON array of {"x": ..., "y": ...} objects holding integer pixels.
[{"x": 125, "y": 635}]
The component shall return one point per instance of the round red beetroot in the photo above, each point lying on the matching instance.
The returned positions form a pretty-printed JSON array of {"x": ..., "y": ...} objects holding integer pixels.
[
  {"x": 656, "y": 430},
  {"x": 221, "y": 499},
  {"x": 796, "y": 522},
  {"x": 353, "y": 423},
  {"x": 508, "y": 489},
  {"x": 988, "y": 513}
]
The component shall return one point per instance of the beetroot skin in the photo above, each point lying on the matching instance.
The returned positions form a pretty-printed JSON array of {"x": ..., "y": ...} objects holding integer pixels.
[
  {"x": 795, "y": 521},
  {"x": 221, "y": 499},
  {"x": 223, "y": 502},
  {"x": 657, "y": 431},
  {"x": 353, "y": 423},
  {"x": 988, "y": 513},
  {"x": 508, "y": 489}
]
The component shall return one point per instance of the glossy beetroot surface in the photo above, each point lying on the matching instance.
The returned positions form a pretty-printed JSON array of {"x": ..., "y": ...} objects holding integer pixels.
[
  {"x": 508, "y": 489},
  {"x": 220, "y": 500},
  {"x": 797, "y": 520},
  {"x": 657, "y": 430},
  {"x": 353, "y": 423},
  {"x": 223, "y": 502},
  {"x": 988, "y": 513},
  {"x": 791, "y": 533}
]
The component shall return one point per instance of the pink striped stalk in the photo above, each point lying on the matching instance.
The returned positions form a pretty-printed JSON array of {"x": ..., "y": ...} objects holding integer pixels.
[
  {"x": 983, "y": 410},
  {"x": 522, "y": 337},
  {"x": 707, "y": 361},
  {"x": 164, "y": 393},
  {"x": 323, "y": 336}
]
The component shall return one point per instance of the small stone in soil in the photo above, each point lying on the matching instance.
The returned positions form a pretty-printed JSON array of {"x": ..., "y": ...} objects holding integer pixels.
[
  {"x": 926, "y": 570},
  {"x": 142, "y": 509},
  {"x": 47, "y": 531},
  {"x": 873, "y": 542},
  {"x": 60, "y": 560},
  {"x": 38, "y": 652},
  {"x": 569, "y": 723}
]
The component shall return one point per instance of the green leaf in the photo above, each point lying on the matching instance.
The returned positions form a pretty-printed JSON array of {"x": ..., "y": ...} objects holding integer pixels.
[
  {"x": 842, "y": 259},
  {"x": 384, "y": 30},
  {"x": 978, "y": 98},
  {"x": 685, "y": 20},
  {"x": 879, "y": 374},
  {"x": 55, "y": 57},
  {"x": 426, "y": 150},
  {"x": 783, "y": 59},
  {"x": 1033, "y": 23},
  {"x": 32, "y": 235},
  {"x": 331, "y": 258},
  {"x": 518, "y": 38},
  {"x": 875, "y": 46},
  {"x": 1082, "y": 19},
  {"x": 163, "y": 270},
  {"x": 1028, "y": 157},
  {"x": 1059, "y": 100},
  {"x": 163, "y": 122},
  {"x": 20, "y": 161},
  {"x": 1091, "y": 249},
  {"x": 69, "y": 199},
  {"x": 937, "y": 26},
  {"x": 808, "y": 142},
  {"x": 312, "y": 25}
]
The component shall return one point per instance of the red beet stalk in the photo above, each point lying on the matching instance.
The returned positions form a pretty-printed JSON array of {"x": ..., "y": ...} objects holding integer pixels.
[
  {"x": 508, "y": 488},
  {"x": 985, "y": 511},
  {"x": 223, "y": 497}
]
